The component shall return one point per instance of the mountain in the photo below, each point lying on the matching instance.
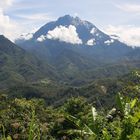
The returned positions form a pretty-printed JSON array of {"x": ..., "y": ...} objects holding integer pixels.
[
  {"x": 18, "y": 66},
  {"x": 70, "y": 31},
  {"x": 79, "y": 51},
  {"x": 61, "y": 59}
]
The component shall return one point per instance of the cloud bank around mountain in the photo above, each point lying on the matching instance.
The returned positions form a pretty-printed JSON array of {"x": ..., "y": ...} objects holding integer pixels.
[
  {"x": 91, "y": 42},
  {"x": 65, "y": 34},
  {"x": 127, "y": 34},
  {"x": 27, "y": 36},
  {"x": 108, "y": 42},
  {"x": 41, "y": 38}
]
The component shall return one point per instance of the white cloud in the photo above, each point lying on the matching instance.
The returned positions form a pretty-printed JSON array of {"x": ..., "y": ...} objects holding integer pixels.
[
  {"x": 5, "y": 3},
  {"x": 7, "y": 27},
  {"x": 10, "y": 28},
  {"x": 91, "y": 42},
  {"x": 5, "y": 21},
  {"x": 115, "y": 37},
  {"x": 127, "y": 34},
  {"x": 66, "y": 34},
  {"x": 35, "y": 17},
  {"x": 41, "y": 38},
  {"x": 27, "y": 36},
  {"x": 97, "y": 34},
  {"x": 13, "y": 28},
  {"x": 135, "y": 8},
  {"x": 93, "y": 30},
  {"x": 108, "y": 42}
]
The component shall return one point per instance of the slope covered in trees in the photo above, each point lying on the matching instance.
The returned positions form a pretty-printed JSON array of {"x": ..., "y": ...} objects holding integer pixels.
[
  {"x": 76, "y": 119},
  {"x": 18, "y": 66}
]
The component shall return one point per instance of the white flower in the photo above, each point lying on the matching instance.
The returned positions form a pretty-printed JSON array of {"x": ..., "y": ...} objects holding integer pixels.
[
  {"x": 94, "y": 113},
  {"x": 127, "y": 108}
]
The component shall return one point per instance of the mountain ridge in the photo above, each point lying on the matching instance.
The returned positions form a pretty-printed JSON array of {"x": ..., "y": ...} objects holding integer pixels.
[
  {"x": 19, "y": 66},
  {"x": 95, "y": 50},
  {"x": 78, "y": 63},
  {"x": 91, "y": 41},
  {"x": 51, "y": 67}
]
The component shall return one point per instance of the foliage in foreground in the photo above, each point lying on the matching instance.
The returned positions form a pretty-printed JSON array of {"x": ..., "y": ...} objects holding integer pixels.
[{"x": 22, "y": 119}]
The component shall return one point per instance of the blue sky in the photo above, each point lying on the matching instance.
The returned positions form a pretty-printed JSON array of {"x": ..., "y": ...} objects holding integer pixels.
[{"x": 121, "y": 17}]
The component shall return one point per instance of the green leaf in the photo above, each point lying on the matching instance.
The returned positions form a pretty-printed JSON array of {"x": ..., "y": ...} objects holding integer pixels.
[
  {"x": 106, "y": 135},
  {"x": 9, "y": 138},
  {"x": 133, "y": 103},
  {"x": 119, "y": 101}
]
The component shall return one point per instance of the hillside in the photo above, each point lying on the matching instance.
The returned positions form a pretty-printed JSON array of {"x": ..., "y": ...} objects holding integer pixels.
[
  {"x": 56, "y": 70},
  {"x": 18, "y": 66},
  {"x": 101, "y": 91},
  {"x": 112, "y": 116}
]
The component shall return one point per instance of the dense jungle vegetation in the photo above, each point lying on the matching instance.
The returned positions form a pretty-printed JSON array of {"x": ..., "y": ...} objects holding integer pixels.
[{"x": 77, "y": 118}]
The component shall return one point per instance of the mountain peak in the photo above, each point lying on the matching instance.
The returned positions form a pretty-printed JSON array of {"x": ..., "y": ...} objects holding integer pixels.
[
  {"x": 72, "y": 27},
  {"x": 69, "y": 19},
  {"x": 66, "y": 17}
]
